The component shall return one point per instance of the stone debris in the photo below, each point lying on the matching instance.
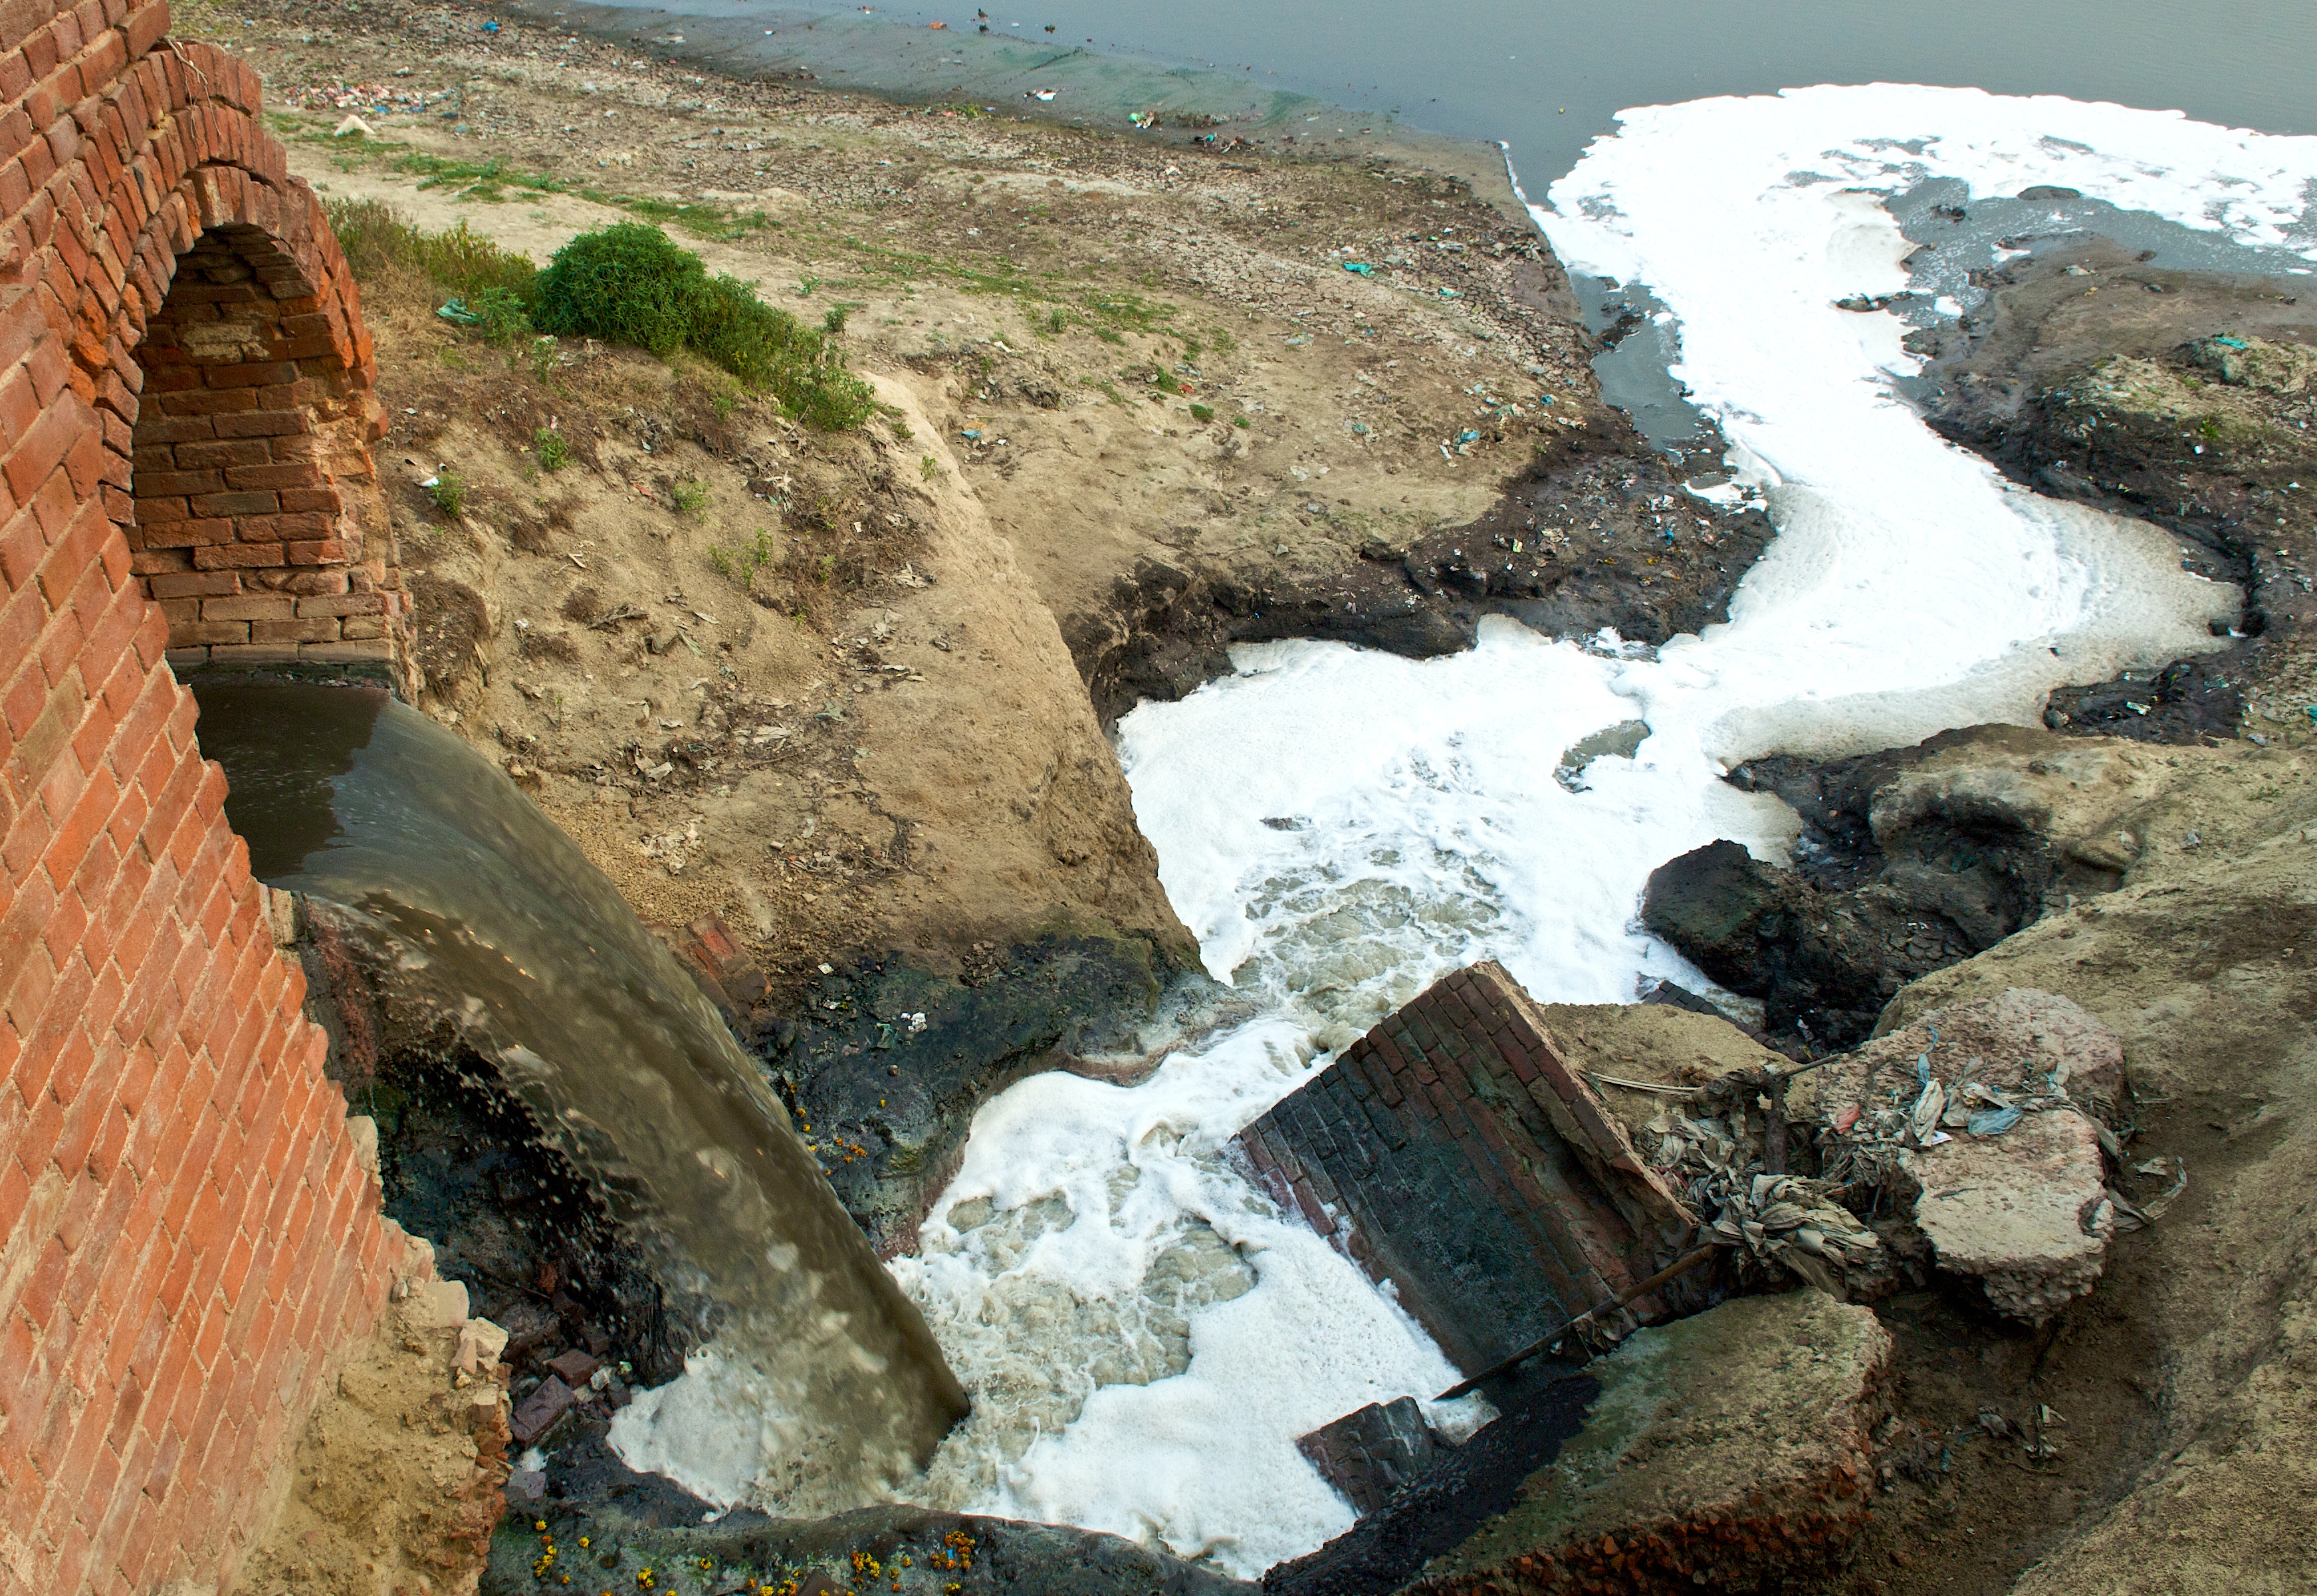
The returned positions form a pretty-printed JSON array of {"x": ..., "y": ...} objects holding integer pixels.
[
  {"x": 1371, "y": 1453},
  {"x": 1993, "y": 1120},
  {"x": 541, "y": 1409},
  {"x": 1730, "y": 1450}
]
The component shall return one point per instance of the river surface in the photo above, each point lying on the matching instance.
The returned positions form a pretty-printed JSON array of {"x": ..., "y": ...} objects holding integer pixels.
[{"x": 1144, "y": 1336}]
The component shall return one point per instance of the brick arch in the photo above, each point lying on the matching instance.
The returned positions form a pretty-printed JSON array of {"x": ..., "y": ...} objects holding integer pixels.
[
  {"x": 258, "y": 523},
  {"x": 189, "y": 1236}
]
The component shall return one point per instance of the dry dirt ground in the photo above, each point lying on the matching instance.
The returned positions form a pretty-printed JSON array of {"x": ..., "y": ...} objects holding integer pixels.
[
  {"x": 837, "y": 689},
  {"x": 396, "y": 1482}
]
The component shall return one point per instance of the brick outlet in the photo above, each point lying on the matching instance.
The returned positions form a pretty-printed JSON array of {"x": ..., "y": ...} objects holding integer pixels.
[{"x": 192, "y": 1238}]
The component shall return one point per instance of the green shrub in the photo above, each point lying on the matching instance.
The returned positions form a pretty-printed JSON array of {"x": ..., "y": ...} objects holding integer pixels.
[
  {"x": 691, "y": 498},
  {"x": 448, "y": 494},
  {"x": 630, "y": 284},
  {"x": 505, "y": 318},
  {"x": 554, "y": 448},
  {"x": 1202, "y": 413}
]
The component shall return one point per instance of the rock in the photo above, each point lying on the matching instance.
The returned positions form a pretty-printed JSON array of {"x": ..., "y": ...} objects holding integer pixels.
[
  {"x": 439, "y": 1305},
  {"x": 2025, "y": 1038},
  {"x": 480, "y": 1343},
  {"x": 1371, "y": 1453},
  {"x": 541, "y": 1409},
  {"x": 1823, "y": 963},
  {"x": 574, "y": 1366},
  {"x": 1726, "y": 1451},
  {"x": 2017, "y": 1208}
]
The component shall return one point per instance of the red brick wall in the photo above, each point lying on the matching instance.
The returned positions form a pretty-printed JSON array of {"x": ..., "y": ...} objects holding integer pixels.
[{"x": 187, "y": 1235}]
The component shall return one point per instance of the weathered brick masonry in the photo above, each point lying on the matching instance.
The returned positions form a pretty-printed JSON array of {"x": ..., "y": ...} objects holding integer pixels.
[
  {"x": 1454, "y": 1152},
  {"x": 189, "y": 1236}
]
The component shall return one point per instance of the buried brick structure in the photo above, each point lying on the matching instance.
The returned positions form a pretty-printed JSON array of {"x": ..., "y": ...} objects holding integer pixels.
[
  {"x": 189, "y": 1236},
  {"x": 1452, "y": 1152}
]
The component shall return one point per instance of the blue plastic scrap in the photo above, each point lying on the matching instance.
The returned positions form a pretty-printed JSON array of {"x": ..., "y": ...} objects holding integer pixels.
[
  {"x": 1360, "y": 267},
  {"x": 2227, "y": 342},
  {"x": 455, "y": 310},
  {"x": 1991, "y": 1122},
  {"x": 490, "y": 27}
]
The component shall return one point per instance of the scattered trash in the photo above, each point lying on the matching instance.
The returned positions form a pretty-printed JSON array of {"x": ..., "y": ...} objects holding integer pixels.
[
  {"x": 1042, "y": 94},
  {"x": 972, "y": 434},
  {"x": 1144, "y": 119},
  {"x": 352, "y": 124},
  {"x": 455, "y": 310},
  {"x": 1792, "y": 1223},
  {"x": 490, "y": 27},
  {"x": 1359, "y": 268},
  {"x": 1450, "y": 293},
  {"x": 2228, "y": 343}
]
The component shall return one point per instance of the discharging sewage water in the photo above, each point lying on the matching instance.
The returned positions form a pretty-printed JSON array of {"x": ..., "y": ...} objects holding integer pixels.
[{"x": 495, "y": 919}]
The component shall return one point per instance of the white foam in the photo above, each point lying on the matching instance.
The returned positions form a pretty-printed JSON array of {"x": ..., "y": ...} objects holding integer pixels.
[
  {"x": 1202, "y": 1461},
  {"x": 1142, "y": 1335}
]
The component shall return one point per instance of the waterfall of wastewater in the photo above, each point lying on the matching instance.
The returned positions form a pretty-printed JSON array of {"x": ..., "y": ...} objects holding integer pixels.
[{"x": 490, "y": 912}]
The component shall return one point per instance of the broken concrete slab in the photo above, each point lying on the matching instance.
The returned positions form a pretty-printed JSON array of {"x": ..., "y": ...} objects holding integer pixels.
[
  {"x": 2019, "y": 1212},
  {"x": 1456, "y": 1152},
  {"x": 1730, "y": 1451},
  {"x": 1373, "y": 1451},
  {"x": 1727, "y": 1451},
  {"x": 1988, "y": 1117}
]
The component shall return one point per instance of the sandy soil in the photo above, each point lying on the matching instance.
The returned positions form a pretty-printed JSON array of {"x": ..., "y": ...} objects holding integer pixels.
[{"x": 396, "y": 1482}]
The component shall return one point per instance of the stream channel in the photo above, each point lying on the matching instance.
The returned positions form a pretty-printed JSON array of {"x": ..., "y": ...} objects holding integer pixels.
[{"x": 1142, "y": 1334}]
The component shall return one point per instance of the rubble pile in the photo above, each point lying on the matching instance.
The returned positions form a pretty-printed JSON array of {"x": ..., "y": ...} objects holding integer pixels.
[{"x": 1991, "y": 1125}]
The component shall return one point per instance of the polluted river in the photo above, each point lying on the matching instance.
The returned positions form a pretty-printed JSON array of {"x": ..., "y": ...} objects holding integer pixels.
[{"x": 1105, "y": 1322}]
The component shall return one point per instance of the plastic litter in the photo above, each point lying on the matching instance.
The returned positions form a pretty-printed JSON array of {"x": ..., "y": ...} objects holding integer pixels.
[
  {"x": 490, "y": 27},
  {"x": 1450, "y": 293},
  {"x": 1359, "y": 268},
  {"x": 455, "y": 310},
  {"x": 2228, "y": 343},
  {"x": 972, "y": 434},
  {"x": 1144, "y": 119},
  {"x": 1469, "y": 435},
  {"x": 1991, "y": 1122},
  {"x": 352, "y": 124}
]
